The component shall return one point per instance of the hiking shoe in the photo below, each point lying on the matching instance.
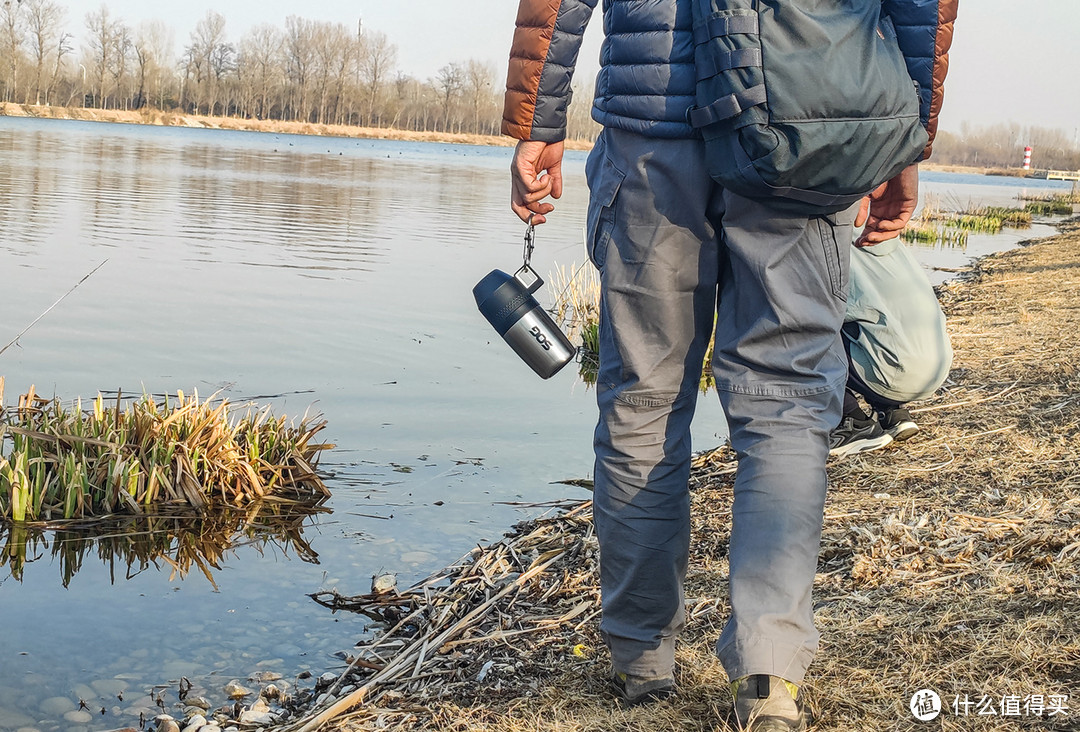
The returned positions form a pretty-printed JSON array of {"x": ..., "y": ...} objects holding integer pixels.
[
  {"x": 768, "y": 704},
  {"x": 898, "y": 423},
  {"x": 635, "y": 690},
  {"x": 857, "y": 435}
]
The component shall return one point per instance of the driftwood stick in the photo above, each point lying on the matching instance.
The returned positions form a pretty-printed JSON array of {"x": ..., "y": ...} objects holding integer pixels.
[
  {"x": 957, "y": 405},
  {"x": 408, "y": 659}
]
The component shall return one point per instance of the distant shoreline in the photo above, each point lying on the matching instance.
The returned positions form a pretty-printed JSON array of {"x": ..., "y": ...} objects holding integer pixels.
[
  {"x": 158, "y": 118},
  {"x": 175, "y": 119}
]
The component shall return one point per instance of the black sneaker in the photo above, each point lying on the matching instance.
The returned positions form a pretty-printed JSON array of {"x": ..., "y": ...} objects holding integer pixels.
[
  {"x": 856, "y": 435},
  {"x": 634, "y": 690},
  {"x": 898, "y": 423}
]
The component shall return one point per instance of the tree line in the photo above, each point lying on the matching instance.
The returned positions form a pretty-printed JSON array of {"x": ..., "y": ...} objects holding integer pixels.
[
  {"x": 1002, "y": 146},
  {"x": 307, "y": 70}
]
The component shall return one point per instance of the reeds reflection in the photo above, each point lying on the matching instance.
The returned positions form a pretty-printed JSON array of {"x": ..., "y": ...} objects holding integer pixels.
[{"x": 129, "y": 545}]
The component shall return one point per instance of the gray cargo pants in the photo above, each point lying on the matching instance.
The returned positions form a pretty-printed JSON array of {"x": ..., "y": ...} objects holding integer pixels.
[{"x": 675, "y": 251}]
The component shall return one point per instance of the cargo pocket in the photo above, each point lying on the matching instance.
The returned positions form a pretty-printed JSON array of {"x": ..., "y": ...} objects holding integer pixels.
[
  {"x": 837, "y": 232},
  {"x": 600, "y": 221}
]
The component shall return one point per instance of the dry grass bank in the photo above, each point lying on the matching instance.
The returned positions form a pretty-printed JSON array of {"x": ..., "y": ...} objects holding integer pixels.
[
  {"x": 174, "y": 119},
  {"x": 951, "y": 561}
]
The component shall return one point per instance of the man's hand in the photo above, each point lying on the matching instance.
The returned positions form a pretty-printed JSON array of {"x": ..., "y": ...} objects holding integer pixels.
[
  {"x": 529, "y": 184},
  {"x": 887, "y": 210}
]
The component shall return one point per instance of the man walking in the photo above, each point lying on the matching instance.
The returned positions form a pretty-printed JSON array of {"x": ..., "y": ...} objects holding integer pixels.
[{"x": 677, "y": 252}]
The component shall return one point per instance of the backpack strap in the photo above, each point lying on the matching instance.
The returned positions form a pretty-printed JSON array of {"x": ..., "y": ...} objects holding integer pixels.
[
  {"x": 725, "y": 25},
  {"x": 712, "y": 64},
  {"x": 727, "y": 107}
]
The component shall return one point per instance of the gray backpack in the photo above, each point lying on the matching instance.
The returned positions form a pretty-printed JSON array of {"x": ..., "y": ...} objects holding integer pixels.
[{"x": 804, "y": 103}]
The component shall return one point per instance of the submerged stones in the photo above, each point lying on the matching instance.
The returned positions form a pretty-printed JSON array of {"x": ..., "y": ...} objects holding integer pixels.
[
  {"x": 234, "y": 690},
  {"x": 175, "y": 707},
  {"x": 57, "y": 706}
]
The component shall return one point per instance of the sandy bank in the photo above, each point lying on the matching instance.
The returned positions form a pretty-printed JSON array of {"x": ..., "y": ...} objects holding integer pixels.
[{"x": 155, "y": 117}]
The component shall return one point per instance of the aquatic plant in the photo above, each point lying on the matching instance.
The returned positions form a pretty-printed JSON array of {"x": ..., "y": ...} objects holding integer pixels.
[
  {"x": 1070, "y": 198},
  {"x": 1051, "y": 207},
  {"x": 1016, "y": 218},
  {"x": 60, "y": 461},
  {"x": 982, "y": 220},
  {"x": 951, "y": 212},
  {"x": 919, "y": 232},
  {"x": 577, "y": 310},
  {"x": 577, "y": 300}
]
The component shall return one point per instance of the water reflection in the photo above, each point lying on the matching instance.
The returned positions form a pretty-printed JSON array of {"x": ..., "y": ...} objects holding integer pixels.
[
  {"x": 314, "y": 213},
  {"x": 181, "y": 543}
]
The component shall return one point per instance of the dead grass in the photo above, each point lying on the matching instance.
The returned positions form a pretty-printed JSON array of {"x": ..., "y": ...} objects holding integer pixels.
[{"x": 950, "y": 562}]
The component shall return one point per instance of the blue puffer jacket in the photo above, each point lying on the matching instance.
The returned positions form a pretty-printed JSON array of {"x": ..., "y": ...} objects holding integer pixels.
[{"x": 646, "y": 81}]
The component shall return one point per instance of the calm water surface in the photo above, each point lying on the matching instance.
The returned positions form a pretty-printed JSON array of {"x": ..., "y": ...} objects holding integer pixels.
[{"x": 323, "y": 275}]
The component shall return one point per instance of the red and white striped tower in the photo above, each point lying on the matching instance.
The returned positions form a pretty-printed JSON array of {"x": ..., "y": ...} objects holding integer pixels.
[{"x": 1027, "y": 158}]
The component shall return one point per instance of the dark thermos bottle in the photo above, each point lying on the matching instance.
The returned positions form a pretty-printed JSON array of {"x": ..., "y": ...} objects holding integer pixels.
[{"x": 508, "y": 304}]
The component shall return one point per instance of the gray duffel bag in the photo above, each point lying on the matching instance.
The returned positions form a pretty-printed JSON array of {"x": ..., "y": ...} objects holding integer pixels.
[{"x": 804, "y": 103}]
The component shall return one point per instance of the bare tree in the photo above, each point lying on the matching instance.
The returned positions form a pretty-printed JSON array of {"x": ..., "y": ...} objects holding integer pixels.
[
  {"x": 579, "y": 122},
  {"x": 122, "y": 53},
  {"x": 260, "y": 67},
  {"x": 102, "y": 52},
  {"x": 222, "y": 65},
  {"x": 299, "y": 63},
  {"x": 153, "y": 53},
  {"x": 207, "y": 60},
  {"x": 44, "y": 19},
  {"x": 449, "y": 82},
  {"x": 347, "y": 69},
  {"x": 479, "y": 86},
  {"x": 332, "y": 48},
  {"x": 378, "y": 56},
  {"x": 12, "y": 29}
]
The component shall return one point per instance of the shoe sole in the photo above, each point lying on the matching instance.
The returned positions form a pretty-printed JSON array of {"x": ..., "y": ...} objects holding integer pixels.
[
  {"x": 853, "y": 448},
  {"x": 777, "y": 725},
  {"x": 647, "y": 697},
  {"x": 903, "y": 431},
  {"x": 769, "y": 723}
]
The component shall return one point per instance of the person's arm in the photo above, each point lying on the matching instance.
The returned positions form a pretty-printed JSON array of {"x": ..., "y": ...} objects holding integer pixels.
[
  {"x": 924, "y": 31},
  {"x": 542, "y": 60}
]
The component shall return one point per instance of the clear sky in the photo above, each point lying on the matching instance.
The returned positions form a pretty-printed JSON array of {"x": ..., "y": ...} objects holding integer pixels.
[{"x": 1012, "y": 61}]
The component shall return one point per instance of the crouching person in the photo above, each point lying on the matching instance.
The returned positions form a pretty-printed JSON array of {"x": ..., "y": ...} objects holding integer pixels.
[{"x": 897, "y": 346}]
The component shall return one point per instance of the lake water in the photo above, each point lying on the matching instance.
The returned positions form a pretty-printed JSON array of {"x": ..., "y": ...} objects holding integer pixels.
[{"x": 324, "y": 275}]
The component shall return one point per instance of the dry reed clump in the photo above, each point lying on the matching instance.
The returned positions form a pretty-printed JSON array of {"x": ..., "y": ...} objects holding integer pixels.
[
  {"x": 1071, "y": 197},
  {"x": 577, "y": 311},
  {"x": 950, "y": 562},
  {"x": 60, "y": 461}
]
